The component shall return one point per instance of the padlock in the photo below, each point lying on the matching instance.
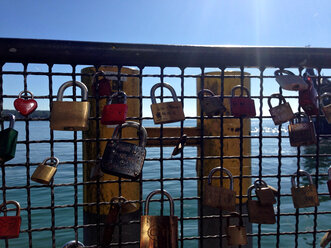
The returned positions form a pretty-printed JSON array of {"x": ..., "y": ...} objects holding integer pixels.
[
  {"x": 44, "y": 173},
  {"x": 10, "y": 225},
  {"x": 103, "y": 86},
  {"x": 242, "y": 106},
  {"x": 288, "y": 81},
  {"x": 301, "y": 133},
  {"x": 326, "y": 108},
  {"x": 125, "y": 159},
  {"x": 304, "y": 196},
  {"x": 73, "y": 244},
  {"x": 329, "y": 180},
  {"x": 211, "y": 104},
  {"x": 308, "y": 99},
  {"x": 25, "y": 106},
  {"x": 236, "y": 235},
  {"x": 70, "y": 116},
  {"x": 179, "y": 146},
  {"x": 258, "y": 213},
  {"x": 326, "y": 239},
  {"x": 8, "y": 140},
  {"x": 281, "y": 113},
  {"x": 159, "y": 231},
  {"x": 115, "y": 111},
  {"x": 166, "y": 112},
  {"x": 219, "y": 197},
  {"x": 264, "y": 193}
]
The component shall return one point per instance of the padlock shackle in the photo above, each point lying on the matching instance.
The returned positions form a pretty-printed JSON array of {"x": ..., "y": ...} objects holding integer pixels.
[
  {"x": 301, "y": 173},
  {"x": 298, "y": 117},
  {"x": 73, "y": 244},
  {"x": 52, "y": 159},
  {"x": 4, "y": 206},
  {"x": 259, "y": 182},
  {"x": 212, "y": 172},
  {"x": 25, "y": 91},
  {"x": 278, "y": 96},
  {"x": 282, "y": 72},
  {"x": 239, "y": 87},
  {"x": 249, "y": 191},
  {"x": 11, "y": 118},
  {"x": 140, "y": 128},
  {"x": 159, "y": 191},
  {"x": 324, "y": 95},
  {"x": 116, "y": 94},
  {"x": 168, "y": 86},
  {"x": 202, "y": 92},
  {"x": 69, "y": 84},
  {"x": 122, "y": 202},
  {"x": 232, "y": 214}
]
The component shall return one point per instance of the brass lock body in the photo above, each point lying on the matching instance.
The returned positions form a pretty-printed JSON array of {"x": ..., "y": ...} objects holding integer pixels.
[
  {"x": 281, "y": 113},
  {"x": 44, "y": 173},
  {"x": 326, "y": 108},
  {"x": 302, "y": 133},
  {"x": 264, "y": 193},
  {"x": 236, "y": 235}
]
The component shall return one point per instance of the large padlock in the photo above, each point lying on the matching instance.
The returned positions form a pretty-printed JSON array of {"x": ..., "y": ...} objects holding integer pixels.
[
  {"x": 236, "y": 234},
  {"x": 10, "y": 225},
  {"x": 8, "y": 140},
  {"x": 264, "y": 193},
  {"x": 115, "y": 111},
  {"x": 125, "y": 159},
  {"x": 281, "y": 113},
  {"x": 44, "y": 173},
  {"x": 166, "y": 112},
  {"x": 242, "y": 106},
  {"x": 211, "y": 104},
  {"x": 70, "y": 116},
  {"x": 326, "y": 108},
  {"x": 258, "y": 213},
  {"x": 329, "y": 180},
  {"x": 301, "y": 132},
  {"x": 103, "y": 86},
  {"x": 219, "y": 197},
  {"x": 159, "y": 231},
  {"x": 304, "y": 196},
  {"x": 73, "y": 244},
  {"x": 308, "y": 99},
  {"x": 288, "y": 81}
]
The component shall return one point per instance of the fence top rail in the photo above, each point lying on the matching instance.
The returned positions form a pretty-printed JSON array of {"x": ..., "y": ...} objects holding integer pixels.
[{"x": 101, "y": 53}]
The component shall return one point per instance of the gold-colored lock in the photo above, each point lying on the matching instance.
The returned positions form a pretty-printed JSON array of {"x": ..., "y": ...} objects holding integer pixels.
[
  {"x": 326, "y": 108},
  {"x": 236, "y": 235},
  {"x": 301, "y": 133},
  {"x": 219, "y": 197},
  {"x": 304, "y": 196},
  {"x": 70, "y": 116},
  {"x": 281, "y": 113},
  {"x": 264, "y": 193},
  {"x": 44, "y": 173}
]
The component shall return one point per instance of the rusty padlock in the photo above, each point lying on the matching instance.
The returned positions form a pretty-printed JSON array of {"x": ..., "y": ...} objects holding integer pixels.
[
  {"x": 236, "y": 234},
  {"x": 326, "y": 108},
  {"x": 304, "y": 196},
  {"x": 211, "y": 104},
  {"x": 8, "y": 140},
  {"x": 10, "y": 225},
  {"x": 219, "y": 197},
  {"x": 301, "y": 132},
  {"x": 288, "y": 81},
  {"x": 242, "y": 106},
  {"x": 73, "y": 244},
  {"x": 166, "y": 112},
  {"x": 103, "y": 86},
  {"x": 264, "y": 193},
  {"x": 308, "y": 99},
  {"x": 329, "y": 180},
  {"x": 44, "y": 173},
  {"x": 114, "y": 112},
  {"x": 281, "y": 113}
]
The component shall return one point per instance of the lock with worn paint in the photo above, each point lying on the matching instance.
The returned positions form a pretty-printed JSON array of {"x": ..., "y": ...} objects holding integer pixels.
[
  {"x": 326, "y": 108},
  {"x": 258, "y": 213},
  {"x": 211, "y": 104},
  {"x": 70, "y": 116},
  {"x": 8, "y": 140},
  {"x": 304, "y": 196},
  {"x": 264, "y": 193},
  {"x": 103, "y": 86},
  {"x": 288, "y": 81},
  {"x": 166, "y": 112},
  {"x": 125, "y": 159},
  {"x": 308, "y": 99},
  {"x": 159, "y": 231},
  {"x": 219, "y": 197},
  {"x": 281, "y": 113},
  {"x": 25, "y": 106},
  {"x": 10, "y": 225},
  {"x": 73, "y": 244},
  {"x": 236, "y": 234},
  {"x": 301, "y": 132},
  {"x": 44, "y": 173},
  {"x": 116, "y": 109},
  {"x": 242, "y": 106},
  {"x": 329, "y": 180}
]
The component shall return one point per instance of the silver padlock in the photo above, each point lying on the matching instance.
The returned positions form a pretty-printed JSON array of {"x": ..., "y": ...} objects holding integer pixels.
[
  {"x": 288, "y": 81},
  {"x": 211, "y": 104},
  {"x": 73, "y": 244},
  {"x": 281, "y": 113},
  {"x": 326, "y": 108}
]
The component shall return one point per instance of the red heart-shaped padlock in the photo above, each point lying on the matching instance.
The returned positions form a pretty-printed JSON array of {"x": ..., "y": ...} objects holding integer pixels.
[{"x": 25, "y": 107}]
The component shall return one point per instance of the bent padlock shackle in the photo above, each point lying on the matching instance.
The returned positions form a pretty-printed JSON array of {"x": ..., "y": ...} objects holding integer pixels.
[
  {"x": 69, "y": 84},
  {"x": 324, "y": 95},
  {"x": 52, "y": 159},
  {"x": 282, "y": 72},
  {"x": 208, "y": 91},
  {"x": 73, "y": 244},
  {"x": 159, "y": 191},
  {"x": 261, "y": 182},
  {"x": 212, "y": 172},
  {"x": 278, "y": 96},
  {"x": 25, "y": 91},
  {"x": 168, "y": 86},
  {"x": 301, "y": 173},
  {"x": 3, "y": 207},
  {"x": 117, "y": 93},
  {"x": 239, "y": 87},
  {"x": 11, "y": 118},
  {"x": 140, "y": 128}
]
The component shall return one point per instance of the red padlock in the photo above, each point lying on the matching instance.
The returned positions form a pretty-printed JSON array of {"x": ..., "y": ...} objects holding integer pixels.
[
  {"x": 25, "y": 106},
  {"x": 308, "y": 99},
  {"x": 115, "y": 111},
  {"x": 242, "y": 106},
  {"x": 103, "y": 86},
  {"x": 329, "y": 181},
  {"x": 10, "y": 225}
]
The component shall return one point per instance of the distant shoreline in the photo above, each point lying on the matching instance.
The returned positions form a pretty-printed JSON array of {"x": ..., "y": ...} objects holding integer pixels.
[{"x": 35, "y": 114}]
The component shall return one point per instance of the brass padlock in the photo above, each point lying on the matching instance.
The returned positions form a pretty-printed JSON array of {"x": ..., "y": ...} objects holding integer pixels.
[
  {"x": 236, "y": 235},
  {"x": 288, "y": 81},
  {"x": 301, "y": 133},
  {"x": 304, "y": 196},
  {"x": 70, "y": 116},
  {"x": 211, "y": 104},
  {"x": 326, "y": 108},
  {"x": 44, "y": 173},
  {"x": 219, "y": 197},
  {"x": 159, "y": 231},
  {"x": 281, "y": 113},
  {"x": 258, "y": 213},
  {"x": 264, "y": 193},
  {"x": 166, "y": 112}
]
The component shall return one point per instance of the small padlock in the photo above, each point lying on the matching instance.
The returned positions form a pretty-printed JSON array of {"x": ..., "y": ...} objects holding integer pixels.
[
  {"x": 73, "y": 244},
  {"x": 329, "y": 180},
  {"x": 326, "y": 239},
  {"x": 219, "y": 197},
  {"x": 115, "y": 111},
  {"x": 258, "y": 213},
  {"x": 242, "y": 106},
  {"x": 125, "y": 159},
  {"x": 326, "y": 108},
  {"x": 308, "y": 99},
  {"x": 25, "y": 106},
  {"x": 304, "y": 196},
  {"x": 10, "y": 225},
  {"x": 301, "y": 133},
  {"x": 44, "y": 173},
  {"x": 288, "y": 81},
  {"x": 264, "y": 193},
  {"x": 236, "y": 235},
  {"x": 166, "y": 112},
  {"x": 211, "y": 104},
  {"x": 103, "y": 86},
  {"x": 281, "y": 113},
  {"x": 8, "y": 140},
  {"x": 70, "y": 116},
  {"x": 159, "y": 231}
]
